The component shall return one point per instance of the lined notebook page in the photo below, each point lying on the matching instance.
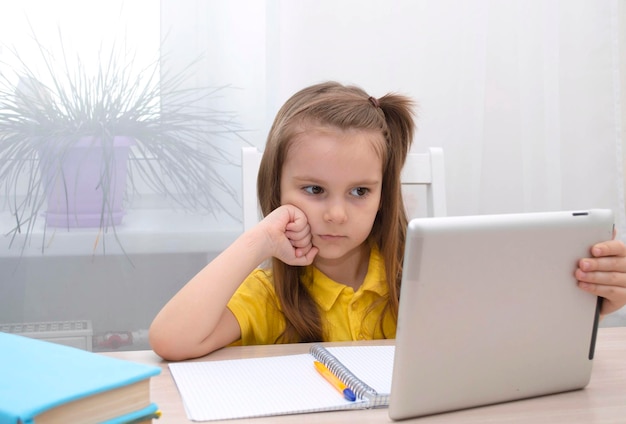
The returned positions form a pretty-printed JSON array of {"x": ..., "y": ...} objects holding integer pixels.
[
  {"x": 254, "y": 387},
  {"x": 371, "y": 364}
]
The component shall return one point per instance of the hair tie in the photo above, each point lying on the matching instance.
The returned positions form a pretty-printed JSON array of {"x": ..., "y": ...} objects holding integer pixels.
[{"x": 374, "y": 101}]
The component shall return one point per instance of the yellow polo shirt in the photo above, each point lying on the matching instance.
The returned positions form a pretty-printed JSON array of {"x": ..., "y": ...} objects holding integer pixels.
[{"x": 343, "y": 311}]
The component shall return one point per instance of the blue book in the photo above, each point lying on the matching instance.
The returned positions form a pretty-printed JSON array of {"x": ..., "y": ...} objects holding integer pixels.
[{"x": 44, "y": 382}]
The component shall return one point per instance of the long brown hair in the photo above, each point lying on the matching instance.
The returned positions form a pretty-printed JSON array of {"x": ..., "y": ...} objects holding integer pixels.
[{"x": 331, "y": 104}]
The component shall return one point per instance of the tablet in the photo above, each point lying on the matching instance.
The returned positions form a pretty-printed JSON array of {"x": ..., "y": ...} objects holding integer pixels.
[{"x": 490, "y": 310}]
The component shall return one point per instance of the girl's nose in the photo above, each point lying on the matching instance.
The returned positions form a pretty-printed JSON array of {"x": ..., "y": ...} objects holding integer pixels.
[{"x": 336, "y": 213}]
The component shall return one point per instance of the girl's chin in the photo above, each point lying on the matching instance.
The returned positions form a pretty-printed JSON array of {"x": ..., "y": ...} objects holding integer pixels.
[{"x": 333, "y": 253}]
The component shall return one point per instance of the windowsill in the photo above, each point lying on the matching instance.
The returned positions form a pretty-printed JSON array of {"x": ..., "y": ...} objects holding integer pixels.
[{"x": 142, "y": 231}]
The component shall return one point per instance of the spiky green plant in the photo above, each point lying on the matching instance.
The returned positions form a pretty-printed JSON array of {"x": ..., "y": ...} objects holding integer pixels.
[{"x": 178, "y": 139}]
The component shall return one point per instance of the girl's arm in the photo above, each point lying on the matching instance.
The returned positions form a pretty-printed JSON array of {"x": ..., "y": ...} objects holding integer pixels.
[{"x": 196, "y": 320}]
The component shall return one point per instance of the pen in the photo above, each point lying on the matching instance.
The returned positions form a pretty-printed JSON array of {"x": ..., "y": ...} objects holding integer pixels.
[{"x": 332, "y": 379}]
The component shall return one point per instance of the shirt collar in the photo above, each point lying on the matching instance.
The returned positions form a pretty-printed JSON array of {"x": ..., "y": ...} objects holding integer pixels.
[{"x": 326, "y": 291}]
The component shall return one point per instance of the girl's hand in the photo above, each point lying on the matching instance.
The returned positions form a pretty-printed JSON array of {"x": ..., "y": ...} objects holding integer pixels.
[
  {"x": 604, "y": 274},
  {"x": 289, "y": 235}
]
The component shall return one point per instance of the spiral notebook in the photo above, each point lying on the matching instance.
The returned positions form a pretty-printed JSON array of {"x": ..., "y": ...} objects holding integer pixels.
[{"x": 282, "y": 385}]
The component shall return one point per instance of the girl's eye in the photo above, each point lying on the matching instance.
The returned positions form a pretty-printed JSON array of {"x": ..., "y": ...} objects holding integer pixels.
[
  {"x": 314, "y": 189},
  {"x": 360, "y": 191}
]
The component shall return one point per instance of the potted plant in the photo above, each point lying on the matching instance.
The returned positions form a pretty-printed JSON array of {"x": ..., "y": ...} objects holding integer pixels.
[{"x": 68, "y": 134}]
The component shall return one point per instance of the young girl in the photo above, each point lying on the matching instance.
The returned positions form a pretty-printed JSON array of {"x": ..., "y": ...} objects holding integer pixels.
[{"x": 334, "y": 227}]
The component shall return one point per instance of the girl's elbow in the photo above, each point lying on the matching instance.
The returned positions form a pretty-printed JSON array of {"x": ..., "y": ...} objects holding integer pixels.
[
  {"x": 172, "y": 348},
  {"x": 165, "y": 345}
]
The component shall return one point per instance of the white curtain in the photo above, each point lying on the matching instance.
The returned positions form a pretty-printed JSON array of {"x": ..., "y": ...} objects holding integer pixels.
[{"x": 523, "y": 95}]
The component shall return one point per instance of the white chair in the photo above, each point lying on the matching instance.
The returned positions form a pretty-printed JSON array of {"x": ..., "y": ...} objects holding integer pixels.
[
  {"x": 420, "y": 169},
  {"x": 427, "y": 170}
]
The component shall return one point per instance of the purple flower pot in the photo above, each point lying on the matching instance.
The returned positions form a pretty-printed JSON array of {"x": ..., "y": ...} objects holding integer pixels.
[{"x": 83, "y": 188}]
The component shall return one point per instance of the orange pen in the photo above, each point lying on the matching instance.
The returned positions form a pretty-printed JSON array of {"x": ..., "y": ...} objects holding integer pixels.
[{"x": 336, "y": 383}]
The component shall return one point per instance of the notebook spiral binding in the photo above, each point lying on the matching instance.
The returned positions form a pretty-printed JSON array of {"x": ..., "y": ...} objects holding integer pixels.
[{"x": 361, "y": 389}]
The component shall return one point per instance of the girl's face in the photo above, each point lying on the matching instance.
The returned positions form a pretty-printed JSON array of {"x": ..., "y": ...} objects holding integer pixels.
[{"x": 335, "y": 178}]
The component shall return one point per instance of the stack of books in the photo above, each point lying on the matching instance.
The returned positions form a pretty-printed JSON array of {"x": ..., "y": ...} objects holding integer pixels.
[{"x": 45, "y": 382}]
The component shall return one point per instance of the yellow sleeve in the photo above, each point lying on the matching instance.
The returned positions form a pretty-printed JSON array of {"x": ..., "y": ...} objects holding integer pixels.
[{"x": 257, "y": 310}]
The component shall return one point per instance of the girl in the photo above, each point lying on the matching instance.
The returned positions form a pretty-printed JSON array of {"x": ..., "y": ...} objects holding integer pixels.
[{"x": 334, "y": 227}]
